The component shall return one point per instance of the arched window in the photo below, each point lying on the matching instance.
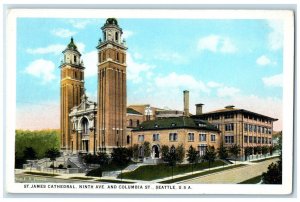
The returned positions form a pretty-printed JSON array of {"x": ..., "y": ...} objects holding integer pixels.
[
  {"x": 128, "y": 139},
  {"x": 137, "y": 122},
  {"x": 75, "y": 58},
  {"x": 117, "y": 57},
  {"x": 117, "y": 36},
  {"x": 85, "y": 126},
  {"x": 130, "y": 123}
]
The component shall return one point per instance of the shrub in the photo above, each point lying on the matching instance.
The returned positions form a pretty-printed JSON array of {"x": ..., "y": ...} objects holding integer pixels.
[
  {"x": 96, "y": 172},
  {"x": 61, "y": 166}
]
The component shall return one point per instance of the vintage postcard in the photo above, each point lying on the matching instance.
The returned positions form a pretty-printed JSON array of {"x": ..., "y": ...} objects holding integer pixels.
[{"x": 149, "y": 101}]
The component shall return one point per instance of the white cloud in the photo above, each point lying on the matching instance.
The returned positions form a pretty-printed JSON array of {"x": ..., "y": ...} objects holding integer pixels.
[
  {"x": 213, "y": 84},
  {"x": 263, "y": 60},
  {"x": 226, "y": 91},
  {"x": 127, "y": 34},
  {"x": 80, "y": 46},
  {"x": 79, "y": 24},
  {"x": 63, "y": 33},
  {"x": 42, "y": 69},
  {"x": 227, "y": 46},
  {"x": 135, "y": 69},
  {"x": 55, "y": 49},
  {"x": 215, "y": 43},
  {"x": 173, "y": 80},
  {"x": 273, "y": 81},
  {"x": 90, "y": 63},
  {"x": 170, "y": 56},
  {"x": 275, "y": 37}
]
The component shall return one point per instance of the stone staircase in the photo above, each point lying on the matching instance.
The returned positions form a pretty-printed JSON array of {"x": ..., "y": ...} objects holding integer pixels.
[{"x": 75, "y": 161}]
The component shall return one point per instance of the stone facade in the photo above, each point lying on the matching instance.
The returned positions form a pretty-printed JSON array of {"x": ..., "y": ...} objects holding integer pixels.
[
  {"x": 83, "y": 120},
  {"x": 111, "y": 87},
  {"x": 241, "y": 127},
  {"x": 157, "y": 138},
  {"x": 71, "y": 89}
]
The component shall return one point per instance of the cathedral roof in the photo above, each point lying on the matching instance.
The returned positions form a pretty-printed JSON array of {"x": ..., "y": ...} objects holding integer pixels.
[
  {"x": 72, "y": 45},
  {"x": 132, "y": 111},
  {"x": 176, "y": 123},
  {"x": 111, "y": 21}
]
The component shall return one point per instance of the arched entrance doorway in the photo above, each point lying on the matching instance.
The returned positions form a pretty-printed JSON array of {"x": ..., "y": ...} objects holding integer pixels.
[
  {"x": 85, "y": 134},
  {"x": 155, "y": 151}
]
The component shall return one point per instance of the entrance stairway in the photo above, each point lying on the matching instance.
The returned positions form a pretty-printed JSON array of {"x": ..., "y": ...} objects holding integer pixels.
[{"x": 76, "y": 162}]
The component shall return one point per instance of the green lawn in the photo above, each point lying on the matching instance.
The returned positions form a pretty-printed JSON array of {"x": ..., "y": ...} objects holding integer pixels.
[
  {"x": 42, "y": 174},
  {"x": 81, "y": 178},
  {"x": 265, "y": 159},
  {"x": 199, "y": 174},
  {"x": 152, "y": 172},
  {"x": 114, "y": 181},
  {"x": 254, "y": 180}
]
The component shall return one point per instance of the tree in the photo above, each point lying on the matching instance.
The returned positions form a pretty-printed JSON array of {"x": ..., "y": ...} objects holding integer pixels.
[
  {"x": 258, "y": 149},
  {"x": 235, "y": 150},
  {"x": 264, "y": 150},
  {"x": 29, "y": 153},
  {"x": 271, "y": 150},
  {"x": 247, "y": 151},
  {"x": 102, "y": 158},
  {"x": 121, "y": 156},
  {"x": 210, "y": 155},
  {"x": 164, "y": 152},
  {"x": 180, "y": 153},
  {"x": 52, "y": 153},
  {"x": 274, "y": 173},
  {"x": 223, "y": 153},
  {"x": 172, "y": 158},
  {"x": 192, "y": 156},
  {"x": 135, "y": 151},
  {"x": 147, "y": 150}
]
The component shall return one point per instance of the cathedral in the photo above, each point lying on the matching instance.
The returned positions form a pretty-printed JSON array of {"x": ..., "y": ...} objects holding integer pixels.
[{"x": 90, "y": 127}]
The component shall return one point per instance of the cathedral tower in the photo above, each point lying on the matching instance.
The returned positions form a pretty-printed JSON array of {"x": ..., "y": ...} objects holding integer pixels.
[
  {"x": 111, "y": 87},
  {"x": 71, "y": 90}
]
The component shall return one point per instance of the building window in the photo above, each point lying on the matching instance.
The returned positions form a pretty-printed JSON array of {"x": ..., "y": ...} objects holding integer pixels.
[
  {"x": 202, "y": 149},
  {"x": 217, "y": 126},
  {"x": 215, "y": 117},
  {"x": 117, "y": 58},
  {"x": 250, "y": 128},
  {"x": 212, "y": 137},
  {"x": 229, "y": 116},
  {"x": 259, "y": 129},
  {"x": 141, "y": 138},
  {"x": 229, "y": 139},
  {"x": 202, "y": 137},
  {"x": 75, "y": 58},
  {"x": 155, "y": 137},
  {"x": 255, "y": 128},
  {"x": 128, "y": 139},
  {"x": 191, "y": 137},
  {"x": 258, "y": 140},
  {"x": 246, "y": 139},
  {"x": 255, "y": 140},
  {"x": 130, "y": 123},
  {"x": 229, "y": 127},
  {"x": 270, "y": 140},
  {"x": 85, "y": 126},
  {"x": 250, "y": 139},
  {"x": 246, "y": 127},
  {"x": 137, "y": 122},
  {"x": 173, "y": 137},
  {"x": 116, "y": 36}
]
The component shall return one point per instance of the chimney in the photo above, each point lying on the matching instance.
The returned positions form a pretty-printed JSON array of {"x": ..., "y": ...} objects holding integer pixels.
[
  {"x": 199, "y": 109},
  {"x": 186, "y": 103}
]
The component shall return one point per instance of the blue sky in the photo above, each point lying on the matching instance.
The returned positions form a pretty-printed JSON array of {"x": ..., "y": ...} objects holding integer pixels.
[{"x": 220, "y": 62}]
